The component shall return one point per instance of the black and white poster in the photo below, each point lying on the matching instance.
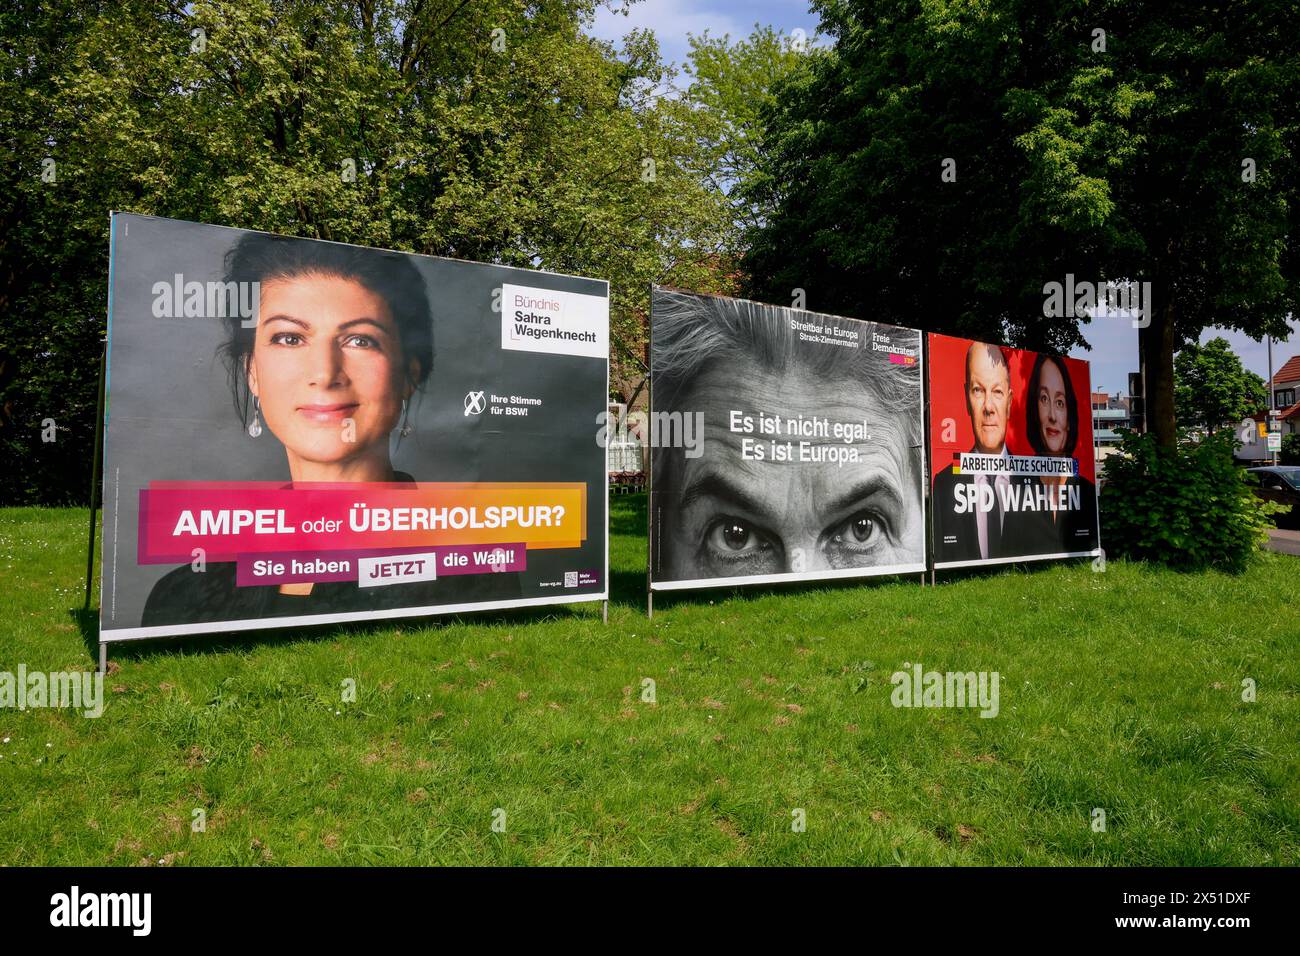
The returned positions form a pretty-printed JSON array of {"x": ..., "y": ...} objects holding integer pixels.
[{"x": 787, "y": 445}]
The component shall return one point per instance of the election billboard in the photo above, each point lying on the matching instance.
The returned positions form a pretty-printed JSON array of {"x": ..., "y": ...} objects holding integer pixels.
[
  {"x": 1011, "y": 455},
  {"x": 786, "y": 445},
  {"x": 307, "y": 432}
]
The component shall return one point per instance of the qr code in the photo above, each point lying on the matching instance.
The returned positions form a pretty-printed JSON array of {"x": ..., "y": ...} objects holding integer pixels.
[{"x": 570, "y": 579}]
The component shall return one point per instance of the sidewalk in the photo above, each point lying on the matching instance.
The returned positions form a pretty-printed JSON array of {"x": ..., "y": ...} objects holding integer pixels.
[{"x": 1288, "y": 542}]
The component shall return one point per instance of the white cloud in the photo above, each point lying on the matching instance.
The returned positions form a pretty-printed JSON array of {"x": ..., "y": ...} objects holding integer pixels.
[{"x": 671, "y": 21}]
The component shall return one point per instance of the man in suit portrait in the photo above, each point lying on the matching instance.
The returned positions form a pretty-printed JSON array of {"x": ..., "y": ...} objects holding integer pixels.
[{"x": 975, "y": 534}]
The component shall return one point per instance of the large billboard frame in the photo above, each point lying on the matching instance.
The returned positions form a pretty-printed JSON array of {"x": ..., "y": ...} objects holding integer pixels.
[
  {"x": 108, "y": 636},
  {"x": 895, "y": 570},
  {"x": 932, "y": 546}
]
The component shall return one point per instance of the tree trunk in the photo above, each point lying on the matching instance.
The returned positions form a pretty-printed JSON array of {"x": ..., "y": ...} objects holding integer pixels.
[{"x": 1158, "y": 358}]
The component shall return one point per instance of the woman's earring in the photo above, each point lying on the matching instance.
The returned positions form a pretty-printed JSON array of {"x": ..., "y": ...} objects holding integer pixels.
[
  {"x": 406, "y": 425},
  {"x": 255, "y": 428}
]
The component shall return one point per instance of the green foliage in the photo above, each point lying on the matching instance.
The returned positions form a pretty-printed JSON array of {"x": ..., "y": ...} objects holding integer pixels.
[
  {"x": 1290, "y": 454},
  {"x": 495, "y": 131},
  {"x": 1188, "y": 507},
  {"x": 1122, "y": 163},
  {"x": 732, "y": 86},
  {"x": 1212, "y": 390}
]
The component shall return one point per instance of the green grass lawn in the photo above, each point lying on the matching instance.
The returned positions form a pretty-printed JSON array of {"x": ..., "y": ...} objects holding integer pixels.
[{"x": 1119, "y": 690}]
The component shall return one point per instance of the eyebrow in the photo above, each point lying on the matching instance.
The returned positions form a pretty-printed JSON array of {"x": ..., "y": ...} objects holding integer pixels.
[
  {"x": 875, "y": 485},
  {"x": 288, "y": 318},
  {"x": 365, "y": 320},
  {"x": 346, "y": 325},
  {"x": 716, "y": 486}
]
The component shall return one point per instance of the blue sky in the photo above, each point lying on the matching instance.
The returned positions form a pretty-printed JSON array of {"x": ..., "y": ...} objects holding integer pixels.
[
  {"x": 1114, "y": 341},
  {"x": 673, "y": 20}
]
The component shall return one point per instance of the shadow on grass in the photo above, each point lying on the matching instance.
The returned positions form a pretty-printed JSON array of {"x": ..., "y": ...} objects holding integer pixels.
[
  {"x": 627, "y": 588},
  {"x": 627, "y": 515},
  {"x": 87, "y": 622},
  {"x": 665, "y": 600}
]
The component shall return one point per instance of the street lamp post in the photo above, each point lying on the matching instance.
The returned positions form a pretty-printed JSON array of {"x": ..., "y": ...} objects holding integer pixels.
[{"x": 1271, "y": 395}]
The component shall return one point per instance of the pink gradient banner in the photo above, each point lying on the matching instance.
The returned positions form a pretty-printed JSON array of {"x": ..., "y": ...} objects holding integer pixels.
[{"x": 230, "y": 520}]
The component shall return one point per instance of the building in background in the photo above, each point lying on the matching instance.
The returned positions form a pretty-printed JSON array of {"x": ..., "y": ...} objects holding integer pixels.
[
  {"x": 1109, "y": 413},
  {"x": 1286, "y": 402},
  {"x": 1286, "y": 388},
  {"x": 1136, "y": 406}
]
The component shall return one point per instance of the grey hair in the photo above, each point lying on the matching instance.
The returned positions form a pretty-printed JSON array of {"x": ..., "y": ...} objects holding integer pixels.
[{"x": 692, "y": 333}]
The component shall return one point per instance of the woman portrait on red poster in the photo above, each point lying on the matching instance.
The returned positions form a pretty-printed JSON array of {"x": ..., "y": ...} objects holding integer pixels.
[{"x": 1053, "y": 431}]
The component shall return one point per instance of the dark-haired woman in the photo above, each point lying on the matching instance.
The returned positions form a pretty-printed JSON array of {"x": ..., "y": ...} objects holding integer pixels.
[
  {"x": 342, "y": 342},
  {"x": 1052, "y": 426}
]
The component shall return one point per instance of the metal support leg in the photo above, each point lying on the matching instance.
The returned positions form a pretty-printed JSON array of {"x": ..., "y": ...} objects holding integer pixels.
[
  {"x": 604, "y": 612},
  {"x": 94, "y": 477},
  {"x": 650, "y": 604},
  {"x": 103, "y": 657}
]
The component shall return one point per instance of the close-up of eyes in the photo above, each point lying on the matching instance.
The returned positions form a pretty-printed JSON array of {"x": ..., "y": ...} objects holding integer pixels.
[
  {"x": 731, "y": 546},
  {"x": 860, "y": 530},
  {"x": 862, "y": 534},
  {"x": 731, "y": 536},
  {"x": 355, "y": 340},
  {"x": 736, "y": 545}
]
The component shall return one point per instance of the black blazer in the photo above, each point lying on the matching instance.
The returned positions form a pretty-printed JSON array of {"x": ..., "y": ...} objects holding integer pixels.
[
  {"x": 956, "y": 536},
  {"x": 1069, "y": 531}
]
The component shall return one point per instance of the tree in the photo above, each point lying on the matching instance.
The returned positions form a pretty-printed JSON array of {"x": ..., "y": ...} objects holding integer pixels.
[
  {"x": 1290, "y": 450},
  {"x": 1213, "y": 390},
  {"x": 496, "y": 131},
  {"x": 943, "y": 162},
  {"x": 1189, "y": 506},
  {"x": 732, "y": 85}
]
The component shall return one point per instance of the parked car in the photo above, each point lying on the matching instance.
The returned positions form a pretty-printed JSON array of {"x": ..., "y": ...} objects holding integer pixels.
[{"x": 1280, "y": 483}]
